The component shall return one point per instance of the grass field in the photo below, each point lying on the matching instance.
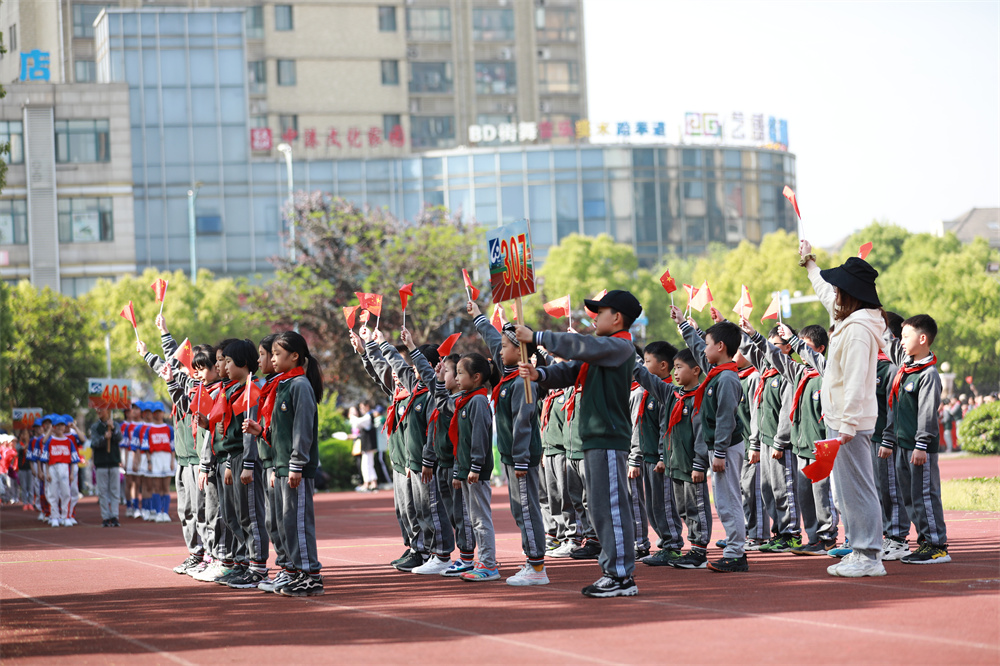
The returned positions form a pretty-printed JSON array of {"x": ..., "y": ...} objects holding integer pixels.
[{"x": 971, "y": 494}]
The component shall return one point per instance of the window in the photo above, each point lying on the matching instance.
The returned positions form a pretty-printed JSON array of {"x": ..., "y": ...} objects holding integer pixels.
[
  {"x": 13, "y": 38},
  {"x": 286, "y": 72},
  {"x": 13, "y": 132},
  {"x": 283, "y": 17},
  {"x": 430, "y": 77},
  {"x": 14, "y": 222},
  {"x": 86, "y": 220},
  {"x": 387, "y": 19},
  {"x": 432, "y": 131},
  {"x": 428, "y": 25},
  {"x": 390, "y": 72},
  {"x": 496, "y": 78},
  {"x": 76, "y": 287},
  {"x": 258, "y": 121},
  {"x": 83, "y": 20},
  {"x": 558, "y": 77},
  {"x": 255, "y": 22},
  {"x": 389, "y": 122},
  {"x": 493, "y": 25},
  {"x": 79, "y": 141},
  {"x": 257, "y": 76},
  {"x": 286, "y": 123},
  {"x": 85, "y": 70},
  {"x": 208, "y": 225},
  {"x": 556, "y": 25}
]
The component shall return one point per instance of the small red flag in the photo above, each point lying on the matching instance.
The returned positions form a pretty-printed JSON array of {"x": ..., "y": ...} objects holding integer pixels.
[
  {"x": 160, "y": 289},
  {"x": 702, "y": 297},
  {"x": 184, "y": 355},
  {"x": 790, "y": 195},
  {"x": 826, "y": 454},
  {"x": 744, "y": 306},
  {"x": 471, "y": 287},
  {"x": 202, "y": 402},
  {"x": 773, "y": 309},
  {"x": 374, "y": 304},
  {"x": 218, "y": 411},
  {"x": 405, "y": 292},
  {"x": 864, "y": 250},
  {"x": 250, "y": 396},
  {"x": 364, "y": 316},
  {"x": 668, "y": 282},
  {"x": 498, "y": 319},
  {"x": 350, "y": 314},
  {"x": 968, "y": 380},
  {"x": 559, "y": 307},
  {"x": 129, "y": 313},
  {"x": 598, "y": 296},
  {"x": 445, "y": 347}
]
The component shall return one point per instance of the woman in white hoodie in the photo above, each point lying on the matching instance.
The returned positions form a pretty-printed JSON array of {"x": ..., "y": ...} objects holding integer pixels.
[{"x": 850, "y": 408}]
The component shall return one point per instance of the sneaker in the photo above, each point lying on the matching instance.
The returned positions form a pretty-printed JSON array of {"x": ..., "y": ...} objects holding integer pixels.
[
  {"x": 696, "y": 558},
  {"x": 106, "y": 523},
  {"x": 210, "y": 573},
  {"x": 551, "y": 543},
  {"x": 54, "y": 522},
  {"x": 281, "y": 579},
  {"x": 411, "y": 562},
  {"x": 115, "y": 523},
  {"x": 457, "y": 568},
  {"x": 781, "y": 544},
  {"x": 894, "y": 550},
  {"x": 590, "y": 550},
  {"x": 406, "y": 554},
  {"x": 841, "y": 551},
  {"x": 927, "y": 554},
  {"x": 480, "y": 574},
  {"x": 641, "y": 553},
  {"x": 608, "y": 586},
  {"x": 565, "y": 549},
  {"x": 41, "y": 516},
  {"x": 857, "y": 566},
  {"x": 721, "y": 543},
  {"x": 163, "y": 518},
  {"x": 187, "y": 564},
  {"x": 197, "y": 569},
  {"x": 528, "y": 576},
  {"x": 817, "y": 548},
  {"x": 230, "y": 573},
  {"x": 730, "y": 564},
  {"x": 69, "y": 522},
  {"x": 433, "y": 565},
  {"x": 249, "y": 579},
  {"x": 304, "y": 585},
  {"x": 752, "y": 544},
  {"x": 662, "y": 557}
]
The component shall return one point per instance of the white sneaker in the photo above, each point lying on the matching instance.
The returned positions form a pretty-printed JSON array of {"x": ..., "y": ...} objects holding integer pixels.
[
  {"x": 858, "y": 566},
  {"x": 70, "y": 522},
  {"x": 433, "y": 566},
  {"x": 41, "y": 516},
  {"x": 564, "y": 549},
  {"x": 528, "y": 576},
  {"x": 54, "y": 522},
  {"x": 894, "y": 550},
  {"x": 165, "y": 518},
  {"x": 211, "y": 572}
]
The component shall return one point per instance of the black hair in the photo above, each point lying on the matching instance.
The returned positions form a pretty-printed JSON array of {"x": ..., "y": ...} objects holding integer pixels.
[
  {"x": 895, "y": 322},
  {"x": 453, "y": 359},
  {"x": 204, "y": 358},
  {"x": 815, "y": 334},
  {"x": 626, "y": 321},
  {"x": 243, "y": 353},
  {"x": 530, "y": 346},
  {"x": 924, "y": 324},
  {"x": 495, "y": 374},
  {"x": 729, "y": 334},
  {"x": 403, "y": 350},
  {"x": 268, "y": 341},
  {"x": 221, "y": 347},
  {"x": 774, "y": 333},
  {"x": 430, "y": 352},
  {"x": 477, "y": 364},
  {"x": 686, "y": 356},
  {"x": 540, "y": 359},
  {"x": 639, "y": 349},
  {"x": 294, "y": 343},
  {"x": 662, "y": 351}
]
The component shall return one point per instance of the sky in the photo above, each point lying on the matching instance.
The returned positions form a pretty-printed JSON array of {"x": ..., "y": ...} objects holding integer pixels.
[{"x": 893, "y": 108}]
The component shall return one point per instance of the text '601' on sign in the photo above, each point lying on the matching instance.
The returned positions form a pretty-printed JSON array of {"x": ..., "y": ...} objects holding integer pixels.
[
  {"x": 512, "y": 271},
  {"x": 109, "y": 393}
]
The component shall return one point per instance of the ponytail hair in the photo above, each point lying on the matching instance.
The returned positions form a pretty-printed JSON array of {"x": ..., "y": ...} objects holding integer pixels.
[{"x": 294, "y": 343}]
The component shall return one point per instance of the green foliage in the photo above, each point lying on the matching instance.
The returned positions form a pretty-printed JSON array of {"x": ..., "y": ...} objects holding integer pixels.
[
  {"x": 979, "y": 431},
  {"x": 336, "y": 459},
  {"x": 331, "y": 418},
  {"x": 977, "y": 494}
]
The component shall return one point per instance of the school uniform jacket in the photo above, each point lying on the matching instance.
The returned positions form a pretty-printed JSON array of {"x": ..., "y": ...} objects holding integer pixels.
[
  {"x": 438, "y": 450},
  {"x": 720, "y": 401},
  {"x": 383, "y": 373},
  {"x": 807, "y": 421},
  {"x": 418, "y": 407},
  {"x": 682, "y": 448},
  {"x": 648, "y": 427},
  {"x": 915, "y": 407},
  {"x": 775, "y": 408},
  {"x": 295, "y": 428},
  {"x": 475, "y": 440}
]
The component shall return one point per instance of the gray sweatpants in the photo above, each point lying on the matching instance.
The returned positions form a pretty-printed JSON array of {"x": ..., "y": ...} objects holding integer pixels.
[
  {"x": 895, "y": 519},
  {"x": 661, "y": 509},
  {"x": 922, "y": 497},
  {"x": 439, "y": 513},
  {"x": 527, "y": 512},
  {"x": 186, "y": 481},
  {"x": 423, "y": 526},
  {"x": 26, "y": 479},
  {"x": 251, "y": 513},
  {"x": 819, "y": 514},
  {"x": 275, "y": 511},
  {"x": 729, "y": 502},
  {"x": 548, "y": 522},
  {"x": 576, "y": 484},
  {"x": 855, "y": 496},
  {"x": 637, "y": 510},
  {"x": 406, "y": 513},
  {"x": 607, "y": 484},
  {"x": 215, "y": 528},
  {"x": 781, "y": 489},
  {"x": 478, "y": 496},
  {"x": 458, "y": 513},
  {"x": 298, "y": 525},
  {"x": 107, "y": 490},
  {"x": 235, "y": 540},
  {"x": 557, "y": 487},
  {"x": 692, "y": 504},
  {"x": 758, "y": 521}
]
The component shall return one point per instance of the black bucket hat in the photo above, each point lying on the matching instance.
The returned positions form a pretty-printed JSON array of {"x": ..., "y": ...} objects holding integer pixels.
[
  {"x": 618, "y": 300},
  {"x": 857, "y": 278}
]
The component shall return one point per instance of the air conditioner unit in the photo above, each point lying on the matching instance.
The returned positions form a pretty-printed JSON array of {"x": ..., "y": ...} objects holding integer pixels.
[
  {"x": 546, "y": 107},
  {"x": 411, "y": 52},
  {"x": 414, "y": 106},
  {"x": 506, "y": 54},
  {"x": 544, "y": 54}
]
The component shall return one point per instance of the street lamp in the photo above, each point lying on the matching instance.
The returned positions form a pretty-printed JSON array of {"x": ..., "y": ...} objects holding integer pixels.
[
  {"x": 286, "y": 150},
  {"x": 192, "y": 196}
]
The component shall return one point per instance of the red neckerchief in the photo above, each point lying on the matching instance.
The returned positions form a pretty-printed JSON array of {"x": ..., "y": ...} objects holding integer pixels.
[
  {"x": 223, "y": 402},
  {"x": 581, "y": 378},
  {"x": 461, "y": 402},
  {"x": 570, "y": 406},
  {"x": 746, "y": 372},
  {"x": 677, "y": 411},
  {"x": 907, "y": 370},
  {"x": 882, "y": 356},
  {"x": 496, "y": 389},
  {"x": 270, "y": 392},
  {"x": 230, "y": 401},
  {"x": 547, "y": 406},
  {"x": 399, "y": 396},
  {"x": 645, "y": 395},
  {"x": 432, "y": 421},
  {"x": 420, "y": 391},
  {"x": 800, "y": 389},
  {"x": 699, "y": 393},
  {"x": 758, "y": 393}
]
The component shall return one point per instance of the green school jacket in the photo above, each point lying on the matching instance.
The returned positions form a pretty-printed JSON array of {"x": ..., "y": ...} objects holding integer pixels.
[
  {"x": 808, "y": 427},
  {"x": 295, "y": 429}
]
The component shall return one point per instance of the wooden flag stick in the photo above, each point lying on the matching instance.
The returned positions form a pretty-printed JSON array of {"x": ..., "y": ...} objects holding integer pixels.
[{"x": 518, "y": 316}]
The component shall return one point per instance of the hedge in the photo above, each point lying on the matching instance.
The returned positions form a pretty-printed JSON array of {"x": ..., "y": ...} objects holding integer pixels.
[{"x": 979, "y": 431}]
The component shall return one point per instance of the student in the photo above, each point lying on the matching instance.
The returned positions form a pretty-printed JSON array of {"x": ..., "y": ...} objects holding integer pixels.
[
  {"x": 519, "y": 443},
  {"x": 25, "y": 476},
  {"x": 581, "y": 540},
  {"x": 895, "y": 519},
  {"x": 914, "y": 399},
  {"x": 40, "y": 469},
  {"x": 552, "y": 422},
  {"x": 601, "y": 370},
  {"x": 755, "y": 514},
  {"x": 105, "y": 438},
  {"x": 643, "y": 423},
  {"x": 717, "y": 399},
  {"x": 289, "y": 416},
  {"x": 209, "y": 481},
  {"x": 58, "y": 455},
  {"x": 158, "y": 449}
]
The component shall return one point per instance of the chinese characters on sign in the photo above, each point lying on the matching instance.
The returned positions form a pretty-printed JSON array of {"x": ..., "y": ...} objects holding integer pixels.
[
  {"x": 35, "y": 66},
  {"x": 735, "y": 128},
  {"x": 261, "y": 138}
]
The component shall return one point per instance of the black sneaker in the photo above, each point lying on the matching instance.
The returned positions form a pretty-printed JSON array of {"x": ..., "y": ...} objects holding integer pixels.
[
  {"x": 609, "y": 586},
  {"x": 106, "y": 522},
  {"x": 115, "y": 523},
  {"x": 249, "y": 579},
  {"x": 410, "y": 562},
  {"x": 662, "y": 557},
  {"x": 551, "y": 543},
  {"x": 810, "y": 549},
  {"x": 191, "y": 561},
  {"x": 696, "y": 558},
  {"x": 927, "y": 554},
  {"x": 590, "y": 550},
  {"x": 730, "y": 564},
  {"x": 406, "y": 554},
  {"x": 304, "y": 585},
  {"x": 641, "y": 553},
  {"x": 238, "y": 570}
]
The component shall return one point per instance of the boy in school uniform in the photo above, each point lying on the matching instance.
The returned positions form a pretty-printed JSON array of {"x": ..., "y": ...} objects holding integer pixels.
[
  {"x": 601, "y": 370},
  {"x": 581, "y": 540},
  {"x": 755, "y": 514},
  {"x": 650, "y": 422},
  {"x": 915, "y": 397},
  {"x": 552, "y": 422}
]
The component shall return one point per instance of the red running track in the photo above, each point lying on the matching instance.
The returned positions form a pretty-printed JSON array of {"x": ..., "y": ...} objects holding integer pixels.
[{"x": 99, "y": 596}]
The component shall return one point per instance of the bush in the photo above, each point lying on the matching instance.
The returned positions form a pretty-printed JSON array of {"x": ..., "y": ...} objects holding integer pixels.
[
  {"x": 331, "y": 417},
  {"x": 979, "y": 431},
  {"x": 336, "y": 459}
]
